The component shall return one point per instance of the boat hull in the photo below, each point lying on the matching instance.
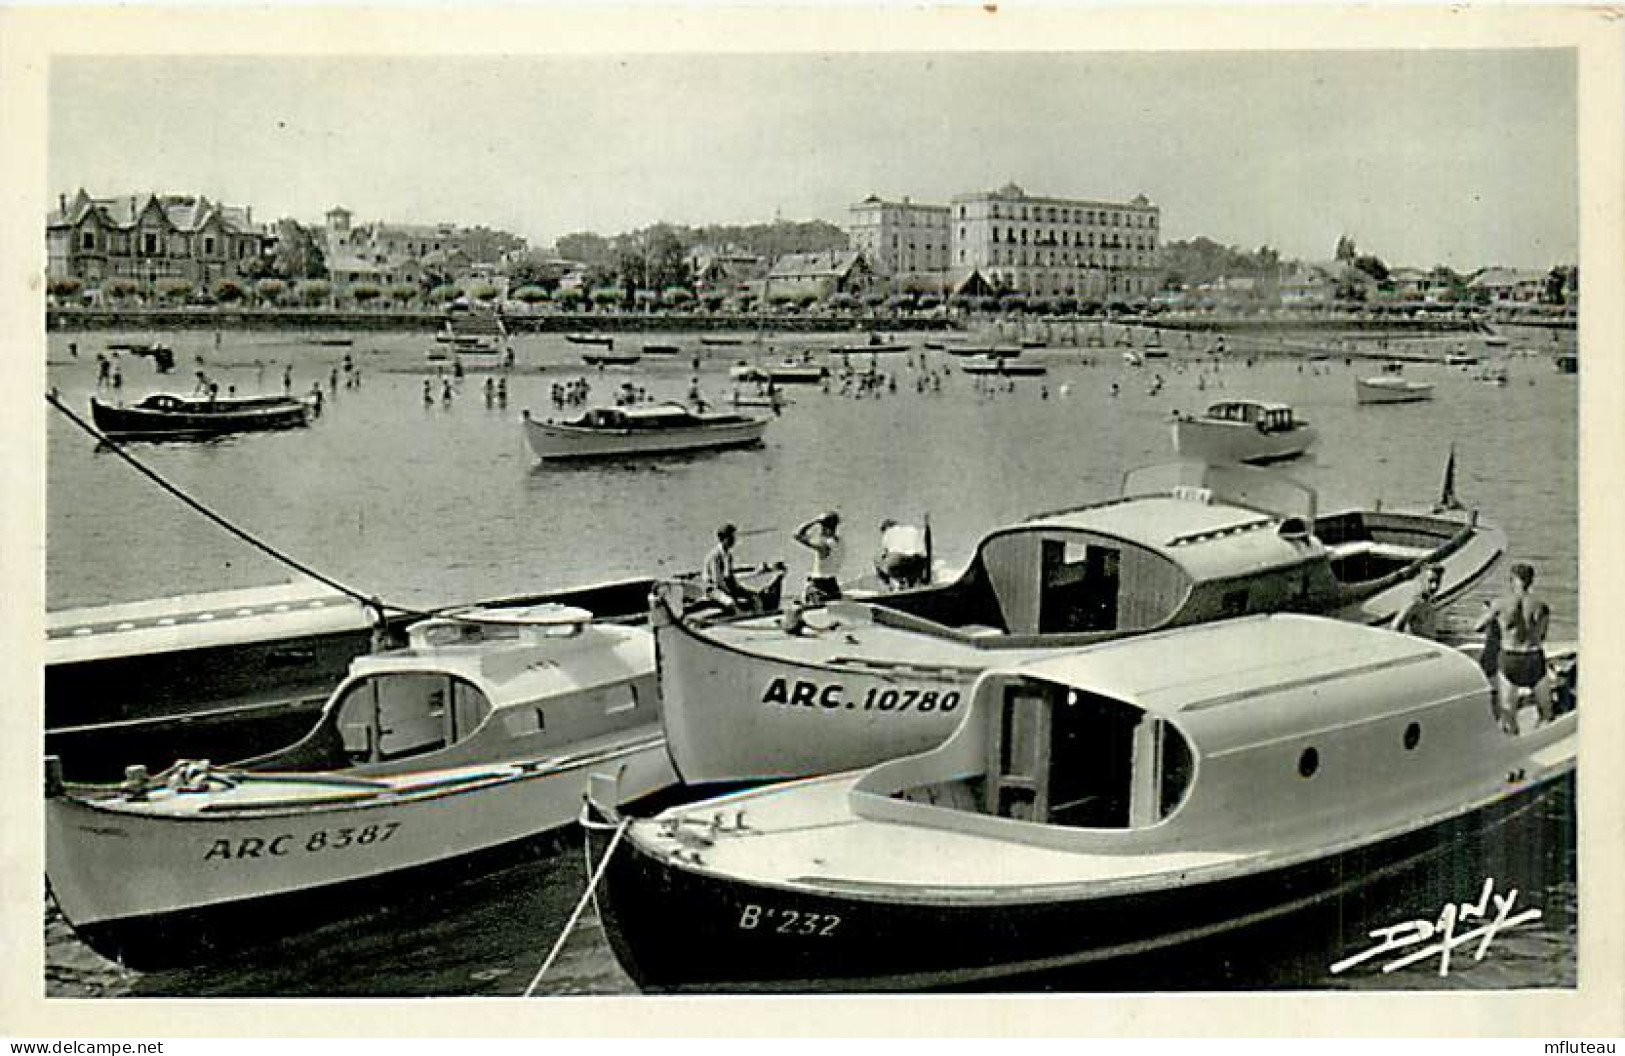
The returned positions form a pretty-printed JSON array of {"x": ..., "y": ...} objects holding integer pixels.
[
  {"x": 1238, "y": 442},
  {"x": 682, "y": 928},
  {"x": 555, "y": 443},
  {"x": 152, "y": 890},
  {"x": 143, "y": 423},
  {"x": 1005, "y": 368}
]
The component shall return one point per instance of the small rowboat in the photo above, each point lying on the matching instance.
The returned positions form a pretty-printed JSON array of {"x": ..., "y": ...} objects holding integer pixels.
[
  {"x": 611, "y": 358},
  {"x": 721, "y": 339},
  {"x": 590, "y": 339},
  {"x": 1002, "y": 367},
  {"x": 662, "y": 350},
  {"x": 870, "y": 347}
]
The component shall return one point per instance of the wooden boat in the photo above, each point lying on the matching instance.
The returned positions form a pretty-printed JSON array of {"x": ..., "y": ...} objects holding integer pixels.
[
  {"x": 1003, "y": 368},
  {"x": 860, "y": 681},
  {"x": 1391, "y": 387},
  {"x": 658, "y": 349},
  {"x": 476, "y": 737},
  {"x": 590, "y": 339},
  {"x": 652, "y": 429},
  {"x": 164, "y": 416},
  {"x": 1243, "y": 431},
  {"x": 1095, "y": 806},
  {"x": 611, "y": 358}
]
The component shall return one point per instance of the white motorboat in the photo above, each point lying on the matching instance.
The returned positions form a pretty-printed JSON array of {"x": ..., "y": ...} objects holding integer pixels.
[
  {"x": 648, "y": 429},
  {"x": 1099, "y": 805},
  {"x": 1391, "y": 387},
  {"x": 1243, "y": 431},
  {"x": 476, "y": 737},
  {"x": 860, "y": 681}
]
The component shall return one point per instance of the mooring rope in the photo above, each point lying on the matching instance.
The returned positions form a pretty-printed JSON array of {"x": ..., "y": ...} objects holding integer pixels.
[
  {"x": 589, "y": 895},
  {"x": 375, "y": 604}
]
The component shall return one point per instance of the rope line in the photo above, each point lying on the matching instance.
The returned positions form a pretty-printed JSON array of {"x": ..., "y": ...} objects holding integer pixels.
[
  {"x": 376, "y": 605},
  {"x": 589, "y": 895}
]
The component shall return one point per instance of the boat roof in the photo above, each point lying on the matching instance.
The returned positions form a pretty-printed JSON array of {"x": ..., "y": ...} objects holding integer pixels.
[
  {"x": 1208, "y": 537},
  {"x": 198, "y": 621},
  {"x": 1242, "y": 682},
  {"x": 517, "y": 664},
  {"x": 1263, "y": 405}
]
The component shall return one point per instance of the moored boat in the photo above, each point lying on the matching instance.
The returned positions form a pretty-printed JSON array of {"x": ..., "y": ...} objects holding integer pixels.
[
  {"x": 164, "y": 416},
  {"x": 609, "y": 357},
  {"x": 1252, "y": 431},
  {"x": 857, "y": 682},
  {"x": 657, "y": 349},
  {"x": 787, "y": 372},
  {"x": 652, "y": 429},
  {"x": 1391, "y": 387},
  {"x": 1003, "y": 367},
  {"x": 478, "y": 736},
  {"x": 1096, "y": 806},
  {"x": 721, "y": 339},
  {"x": 874, "y": 344},
  {"x": 590, "y": 339}
]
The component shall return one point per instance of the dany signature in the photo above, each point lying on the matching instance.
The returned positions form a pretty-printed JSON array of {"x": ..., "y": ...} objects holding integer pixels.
[{"x": 1437, "y": 938}]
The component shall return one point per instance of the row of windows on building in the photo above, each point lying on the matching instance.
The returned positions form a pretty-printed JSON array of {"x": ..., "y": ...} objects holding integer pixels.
[
  {"x": 154, "y": 244},
  {"x": 1065, "y": 259},
  {"x": 1089, "y": 240},
  {"x": 1067, "y": 215},
  {"x": 1070, "y": 284}
]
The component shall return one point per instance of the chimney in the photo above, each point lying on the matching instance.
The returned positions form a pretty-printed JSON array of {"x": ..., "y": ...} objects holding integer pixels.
[{"x": 62, "y": 203}]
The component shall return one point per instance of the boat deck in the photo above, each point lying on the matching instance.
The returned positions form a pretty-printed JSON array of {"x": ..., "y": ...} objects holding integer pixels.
[{"x": 844, "y": 635}]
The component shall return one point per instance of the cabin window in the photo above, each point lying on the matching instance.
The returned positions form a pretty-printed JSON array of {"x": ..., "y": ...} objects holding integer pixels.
[
  {"x": 1413, "y": 736},
  {"x": 1308, "y": 762},
  {"x": 1063, "y": 756},
  {"x": 1079, "y": 587}
]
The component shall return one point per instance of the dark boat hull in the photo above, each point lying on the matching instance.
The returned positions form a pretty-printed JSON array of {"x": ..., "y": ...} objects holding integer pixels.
[
  {"x": 142, "y": 423},
  {"x": 678, "y": 930}
]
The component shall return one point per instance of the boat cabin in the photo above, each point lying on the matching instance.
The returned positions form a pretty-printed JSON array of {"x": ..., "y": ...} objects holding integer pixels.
[
  {"x": 1270, "y": 724},
  {"x": 647, "y": 418},
  {"x": 479, "y": 684},
  {"x": 1265, "y": 417}
]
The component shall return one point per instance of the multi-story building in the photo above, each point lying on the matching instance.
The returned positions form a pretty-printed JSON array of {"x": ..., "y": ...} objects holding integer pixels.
[
  {"x": 149, "y": 237},
  {"x": 387, "y": 254},
  {"x": 900, "y": 238},
  {"x": 1057, "y": 247}
]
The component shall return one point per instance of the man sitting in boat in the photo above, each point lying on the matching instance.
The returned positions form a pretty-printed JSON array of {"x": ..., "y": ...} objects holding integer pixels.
[
  {"x": 905, "y": 556},
  {"x": 722, "y": 587}
]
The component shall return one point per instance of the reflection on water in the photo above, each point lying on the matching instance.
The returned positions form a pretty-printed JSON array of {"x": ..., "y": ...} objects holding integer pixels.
[{"x": 424, "y": 503}]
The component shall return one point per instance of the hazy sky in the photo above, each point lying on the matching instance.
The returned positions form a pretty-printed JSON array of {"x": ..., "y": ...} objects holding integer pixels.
[{"x": 1458, "y": 157}]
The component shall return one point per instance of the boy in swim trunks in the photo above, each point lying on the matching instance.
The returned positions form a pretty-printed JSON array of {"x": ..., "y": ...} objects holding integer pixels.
[{"x": 1522, "y": 618}]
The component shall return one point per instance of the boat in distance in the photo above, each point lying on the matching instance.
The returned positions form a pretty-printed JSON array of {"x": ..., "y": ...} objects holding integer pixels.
[
  {"x": 648, "y": 429},
  {"x": 1391, "y": 386},
  {"x": 609, "y": 357},
  {"x": 1093, "y": 807},
  {"x": 1004, "y": 367},
  {"x": 605, "y": 340},
  {"x": 1252, "y": 431},
  {"x": 478, "y": 736},
  {"x": 862, "y": 680},
  {"x": 166, "y": 416}
]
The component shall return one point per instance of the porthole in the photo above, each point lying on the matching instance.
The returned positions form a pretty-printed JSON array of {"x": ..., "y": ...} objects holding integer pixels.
[
  {"x": 1413, "y": 736},
  {"x": 1308, "y": 762}
]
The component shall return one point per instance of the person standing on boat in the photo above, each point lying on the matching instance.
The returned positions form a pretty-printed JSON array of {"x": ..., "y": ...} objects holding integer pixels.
[
  {"x": 905, "y": 555},
  {"x": 1420, "y": 616},
  {"x": 722, "y": 587},
  {"x": 1521, "y": 618},
  {"x": 821, "y": 535}
]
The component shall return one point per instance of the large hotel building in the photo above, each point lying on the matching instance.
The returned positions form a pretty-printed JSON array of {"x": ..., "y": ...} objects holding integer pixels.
[{"x": 1046, "y": 247}]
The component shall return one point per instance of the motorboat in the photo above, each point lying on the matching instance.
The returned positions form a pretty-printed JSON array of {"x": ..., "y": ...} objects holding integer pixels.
[
  {"x": 646, "y": 429},
  {"x": 166, "y": 416},
  {"x": 227, "y": 674},
  {"x": 1096, "y": 806},
  {"x": 876, "y": 343},
  {"x": 609, "y": 357},
  {"x": 1254, "y": 431},
  {"x": 1460, "y": 358},
  {"x": 1003, "y": 367},
  {"x": 1391, "y": 387},
  {"x": 859, "y": 681},
  {"x": 475, "y": 738}
]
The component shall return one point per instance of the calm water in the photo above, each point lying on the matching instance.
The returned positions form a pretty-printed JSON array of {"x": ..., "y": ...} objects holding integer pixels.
[{"x": 424, "y": 504}]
